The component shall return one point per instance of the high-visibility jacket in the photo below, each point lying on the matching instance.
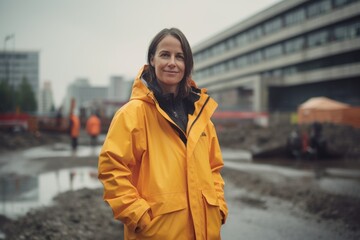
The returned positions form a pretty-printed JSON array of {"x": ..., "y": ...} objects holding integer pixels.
[
  {"x": 147, "y": 170},
  {"x": 74, "y": 126},
  {"x": 93, "y": 125}
]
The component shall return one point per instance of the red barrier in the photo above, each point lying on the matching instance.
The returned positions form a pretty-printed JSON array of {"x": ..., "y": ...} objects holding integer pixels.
[
  {"x": 238, "y": 115},
  {"x": 14, "y": 121}
]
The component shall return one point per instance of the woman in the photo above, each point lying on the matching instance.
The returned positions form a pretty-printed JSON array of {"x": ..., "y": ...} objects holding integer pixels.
[{"x": 160, "y": 163}]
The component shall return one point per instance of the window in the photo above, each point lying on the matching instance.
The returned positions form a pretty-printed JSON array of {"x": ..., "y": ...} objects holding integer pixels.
[
  {"x": 207, "y": 53},
  {"x": 290, "y": 70},
  {"x": 266, "y": 74},
  {"x": 273, "y": 51},
  {"x": 255, "y": 33},
  {"x": 241, "y": 39},
  {"x": 197, "y": 57},
  {"x": 211, "y": 71},
  {"x": 232, "y": 64},
  {"x": 277, "y": 72},
  {"x": 272, "y": 25},
  {"x": 340, "y": 33},
  {"x": 207, "y": 72},
  {"x": 219, "y": 49},
  {"x": 318, "y": 7},
  {"x": 318, "y": 38},
  {"x": 354, "y": 30},
  {"x": 295, "y": 16},
  {"x": 254, "y": 57},
  {"x": 20, "y": 56},
  {"x": 294, "y": 45},
  {"x": 339, "y": 3},
  {"x": 241, "y": 61},
  {"x": 230, "y": 43}
]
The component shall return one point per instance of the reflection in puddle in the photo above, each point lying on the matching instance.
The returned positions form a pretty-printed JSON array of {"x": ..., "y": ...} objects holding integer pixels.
[
  {"x": 339, "y": 186},
  {"x": 19, "y": 194},
  {"x": 61, "y": 150}
]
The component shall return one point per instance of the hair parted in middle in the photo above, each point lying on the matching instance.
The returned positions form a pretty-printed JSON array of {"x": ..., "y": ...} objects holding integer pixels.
[{"x": 184, "y": 85}]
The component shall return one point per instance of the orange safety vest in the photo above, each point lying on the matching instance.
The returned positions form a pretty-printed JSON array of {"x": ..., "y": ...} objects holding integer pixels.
[
  {"x": 93, "y": 125},
  {"x": 75, "y": 126}
]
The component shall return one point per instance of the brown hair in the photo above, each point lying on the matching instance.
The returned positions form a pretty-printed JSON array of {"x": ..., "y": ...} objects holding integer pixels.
[{"x": 184, "y": 85}]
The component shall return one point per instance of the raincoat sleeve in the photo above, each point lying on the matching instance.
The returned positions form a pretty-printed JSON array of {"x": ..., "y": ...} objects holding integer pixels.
[
  {"x": 216, "y": 163},
  {"x": 121, "y": 152}
]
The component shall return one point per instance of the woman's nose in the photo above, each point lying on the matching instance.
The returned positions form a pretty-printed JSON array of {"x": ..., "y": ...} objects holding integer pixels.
[{"x": 172, "y": 61}]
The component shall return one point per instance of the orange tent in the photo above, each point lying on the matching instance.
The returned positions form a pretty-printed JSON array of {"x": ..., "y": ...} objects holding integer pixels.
[{"x": 323, "y": 109}]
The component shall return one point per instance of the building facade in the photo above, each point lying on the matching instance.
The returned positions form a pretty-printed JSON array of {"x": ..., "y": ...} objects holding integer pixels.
[
  {"x": 18, "y": 65},
  {"x": 280, "y": 57},
  {"x": 46, "y": 100},
  {"x": 119, "y": 88},
  {"x": 118, "y": 93},
  {"x": 84, "y": 95}
]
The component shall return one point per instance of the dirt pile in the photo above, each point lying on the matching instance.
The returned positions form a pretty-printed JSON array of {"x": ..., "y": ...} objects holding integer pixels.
[
  {"x": 21, "y": 140},
  {"x": 341, "y": 141},
  {"x": 323, "y": 206},
  {"x": 75, "y": 215}
]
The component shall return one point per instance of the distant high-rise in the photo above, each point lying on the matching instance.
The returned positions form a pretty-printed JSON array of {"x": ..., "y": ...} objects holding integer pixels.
[
  {"x": 46, "y": 100},
  {"x": 119, "y": 89},
  {"x": 18, "y": 65},
  {"x": 83, "y": 94}
]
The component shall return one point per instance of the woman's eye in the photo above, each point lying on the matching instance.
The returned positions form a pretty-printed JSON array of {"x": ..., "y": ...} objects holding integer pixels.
[{"x": 180, "y": 57}]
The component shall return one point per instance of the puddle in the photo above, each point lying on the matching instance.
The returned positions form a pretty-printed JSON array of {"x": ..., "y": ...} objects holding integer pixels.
[
  {"x": 339, "y": 186},
  {"x": 61, "y": 150},
  {"x": 344, "y": 182},
  {"x": 19, "y": 194}
]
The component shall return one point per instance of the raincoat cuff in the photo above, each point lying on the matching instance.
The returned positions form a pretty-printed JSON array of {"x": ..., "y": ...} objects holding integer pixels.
[
  {"x": 143, "y": 222},
  {"x": 223, "y": 216},
  {"x": 143, "y": 208}
]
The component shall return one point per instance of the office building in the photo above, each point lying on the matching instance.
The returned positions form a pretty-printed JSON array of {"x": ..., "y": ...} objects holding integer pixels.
[
  {"x": 46, "y": 100},
  {"x": 281, "y": 56},
  {"x": 18, "y": 65},
  {"x": 119, "y": 89},
  {"x": 84, "y": 95}
]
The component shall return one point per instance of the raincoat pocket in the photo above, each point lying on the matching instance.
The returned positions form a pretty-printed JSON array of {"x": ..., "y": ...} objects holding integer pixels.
[
  {"x": 166, "y": 211},
  {"x": 212, "y": 214},
  {"x": 167, "y": 203}
]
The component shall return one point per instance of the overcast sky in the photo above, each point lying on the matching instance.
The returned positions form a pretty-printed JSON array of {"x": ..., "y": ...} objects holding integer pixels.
[{"x": 97, "y": 39}]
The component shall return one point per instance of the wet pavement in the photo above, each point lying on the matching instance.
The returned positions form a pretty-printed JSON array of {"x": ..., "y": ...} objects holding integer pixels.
[
  {"x": 255, "y": 216},
  {"x": 337, "y": 181},
  {"x": 19, "y": 193},
  {"x": 24, "y": 186}
]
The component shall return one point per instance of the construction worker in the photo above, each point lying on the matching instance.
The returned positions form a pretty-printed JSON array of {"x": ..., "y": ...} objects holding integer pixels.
[
  {"x": 93, "y": 128},
  {"x": 74, "y": 129}
]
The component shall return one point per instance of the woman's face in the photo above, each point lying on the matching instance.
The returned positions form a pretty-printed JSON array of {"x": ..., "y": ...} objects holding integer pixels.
[{"x": 169, "y": 64}]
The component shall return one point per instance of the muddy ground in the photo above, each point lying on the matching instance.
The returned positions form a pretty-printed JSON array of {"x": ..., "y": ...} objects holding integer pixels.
[
  {"x": 83, "y": 215},
  {"x": 341, "y": 141}
]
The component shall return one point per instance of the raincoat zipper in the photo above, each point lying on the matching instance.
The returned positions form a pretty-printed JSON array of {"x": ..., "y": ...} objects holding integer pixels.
[
  {"x": 197, "y": 117},
  {"x": 183, "y": 136},
  {"x": 179, "y": 130}
]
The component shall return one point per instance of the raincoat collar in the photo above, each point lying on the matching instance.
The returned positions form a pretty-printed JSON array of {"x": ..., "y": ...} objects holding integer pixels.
[
  {"x": 204, "y": 105},
  {"x": 140, "y": 88}
]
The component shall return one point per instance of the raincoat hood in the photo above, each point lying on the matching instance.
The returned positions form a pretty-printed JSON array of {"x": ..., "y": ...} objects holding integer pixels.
[{"x": 140, "y": 89}]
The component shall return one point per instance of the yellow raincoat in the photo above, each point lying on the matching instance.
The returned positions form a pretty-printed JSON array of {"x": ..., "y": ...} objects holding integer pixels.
[{"x": 146, "y": 168}]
